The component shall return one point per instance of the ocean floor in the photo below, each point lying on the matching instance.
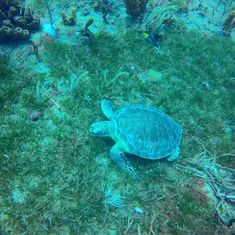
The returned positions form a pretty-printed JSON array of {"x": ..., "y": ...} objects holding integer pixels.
[{"x": 56, "y": 178}]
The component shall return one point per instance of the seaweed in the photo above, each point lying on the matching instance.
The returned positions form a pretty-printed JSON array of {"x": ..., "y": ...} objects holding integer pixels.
[{"x": 52, "y": 169}]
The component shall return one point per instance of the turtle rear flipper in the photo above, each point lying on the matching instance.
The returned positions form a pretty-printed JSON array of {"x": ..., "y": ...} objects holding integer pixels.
[
  {"x": 175, "y": 155},
  {"x": 120, "y": 159}
]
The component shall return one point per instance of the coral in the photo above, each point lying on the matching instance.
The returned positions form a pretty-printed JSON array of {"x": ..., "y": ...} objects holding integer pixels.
[
  {"x": 71, "y": 20},
  {"x": 64, "y": 18},
  {"x": 5, "y": 33},
  {"x": 16, "y": 22},
  {"x": 135, "y": 8},
  {"x": 89, "y": 23},
  {"x": 229, "y": 23},
  {"x": 19, "y": 33},
  {"x": 112, "y": 198},
  {"x": 160, "y": 16},
  {"x": 73, "y": 13},
  {"x": 86, "y": 33}
]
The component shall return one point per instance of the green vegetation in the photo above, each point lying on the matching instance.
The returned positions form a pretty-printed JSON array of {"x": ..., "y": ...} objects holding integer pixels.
[{"x": 53, "y": 172}]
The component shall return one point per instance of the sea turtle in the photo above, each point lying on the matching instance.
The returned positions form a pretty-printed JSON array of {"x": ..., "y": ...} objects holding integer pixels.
[{"x": 140, "y": 130}]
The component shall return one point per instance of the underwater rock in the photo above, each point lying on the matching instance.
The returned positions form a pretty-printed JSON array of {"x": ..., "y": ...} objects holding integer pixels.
[
  {"x": 16, "y": 22},
  {"x": 149, "y": 75},
  {"x": 153, "y": 75},
  {"x": 35, "y": 115}
]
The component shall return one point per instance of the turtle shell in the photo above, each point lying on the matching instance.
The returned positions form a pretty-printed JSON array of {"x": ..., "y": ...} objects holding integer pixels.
[{"x": 148, "y": 132}]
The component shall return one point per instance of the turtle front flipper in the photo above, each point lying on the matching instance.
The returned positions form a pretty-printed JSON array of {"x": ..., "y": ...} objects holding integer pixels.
[
  {"x": 107, "y": 108},
  {"x": 120, "y": 159}
]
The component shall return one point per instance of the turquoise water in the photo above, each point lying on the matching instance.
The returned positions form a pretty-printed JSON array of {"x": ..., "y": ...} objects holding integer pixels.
[{"x": 60, "y": 60}]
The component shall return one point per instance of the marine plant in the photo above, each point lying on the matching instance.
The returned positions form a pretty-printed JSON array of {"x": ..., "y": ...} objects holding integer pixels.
[
  {"x": 135, "y": 8},
  {"x": 56, "y": 164}
]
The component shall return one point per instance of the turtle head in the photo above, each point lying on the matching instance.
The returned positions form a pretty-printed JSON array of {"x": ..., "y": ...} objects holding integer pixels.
[{"x": 100, "y": 129}]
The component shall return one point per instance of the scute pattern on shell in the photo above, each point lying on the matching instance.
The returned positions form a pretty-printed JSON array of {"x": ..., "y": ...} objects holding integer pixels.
[{"x": 148, "y": 132}]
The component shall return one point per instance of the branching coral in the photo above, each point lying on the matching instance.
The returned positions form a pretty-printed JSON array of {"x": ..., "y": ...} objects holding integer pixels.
[
  {"x": 135, "y": 8},
  {"x": 159, "y": 17}
]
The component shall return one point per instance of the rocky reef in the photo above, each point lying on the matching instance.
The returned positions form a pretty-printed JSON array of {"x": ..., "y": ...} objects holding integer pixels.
[{"x": 16, "y": 21}]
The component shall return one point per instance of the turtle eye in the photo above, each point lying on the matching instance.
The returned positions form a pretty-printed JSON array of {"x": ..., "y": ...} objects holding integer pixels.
[{"x": 101, "y": 132}]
